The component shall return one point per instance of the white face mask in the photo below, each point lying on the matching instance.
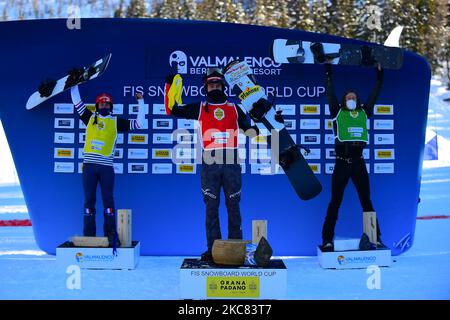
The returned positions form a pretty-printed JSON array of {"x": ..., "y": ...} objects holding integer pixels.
[{"x": 351, "y": 104}]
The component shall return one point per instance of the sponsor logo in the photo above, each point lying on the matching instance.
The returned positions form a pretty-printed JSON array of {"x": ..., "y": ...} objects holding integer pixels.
[
  {"x": 178, "y": 59},
  {"x": 384, "y": 109},
  {"x": 383, "y": 124},
  {"x": 159, "y": 109},
  {"x": 384, "y": 168},
  {"x": 64, "y": 137},
  {"x": 309, "y": 109},
  {"x": 161, "y": 153},
  {"x": 330, "y": 154},
  {"x": 163, "y": 124},
  {"x": 329, "y": 139},
  {"x": 80, "y": 257},
  {"x": 118, "y": 153},
  {"x": 219, "y": 114},
  {"x": 287, "y": 109},
  {"x": 63, "y": 108},
  {"x": 310, "y": 139},
  {"x": 64, "y": 167},
  {"x": 233, "y": 287},
  {"x": 186, "y": 64},
  {"x": 329, "y": 168},
  {"x": 384, "y": 154},
  {"x": 137, "y": 168},
  {"x": 249, "y": 91},
  {"x": 161, "y": 168},
  {"x": 185, "y": 168},
  {"x": 342, "y": 260},
  {"x": 310, "y": 124},
  {"x": 313, "y": 154},
  {"x": 137, "y": 153},
  {"x": 64, "y": 153},
  {"x": 162, "y": 138},
  {"x": 61, "y": 123},
  {"x": 384, "y": 138},
  {"x": 137, "y": 138}
]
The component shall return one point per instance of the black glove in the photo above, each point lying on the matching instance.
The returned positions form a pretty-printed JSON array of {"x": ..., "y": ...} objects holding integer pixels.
[{"x": 279, "y": 117}]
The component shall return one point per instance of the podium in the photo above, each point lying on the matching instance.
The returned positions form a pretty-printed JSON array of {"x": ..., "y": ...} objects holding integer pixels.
[
  {"x": 98, "y": 258},
  {"x": 206, "y": 280},
  {"x": 348, "y": 256}
]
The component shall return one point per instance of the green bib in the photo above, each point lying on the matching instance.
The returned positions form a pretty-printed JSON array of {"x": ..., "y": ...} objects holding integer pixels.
[
  {"x": 101, "y": 137},
  {"x": 352, "y": 125}
]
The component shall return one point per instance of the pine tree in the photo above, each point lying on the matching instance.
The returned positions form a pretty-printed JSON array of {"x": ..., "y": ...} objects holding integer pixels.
[
  {"x": 260, "y": 14},
  {"x": 188, "y": 10},
  {"x": 170, "y": 9},
  {"x": 300, "y": 15},
  {"x": 207, "y": 10},
  {"x": 342, "y": 18},
  {"x": 137, "y": 9},
  {"x": 319, "y": 16}
]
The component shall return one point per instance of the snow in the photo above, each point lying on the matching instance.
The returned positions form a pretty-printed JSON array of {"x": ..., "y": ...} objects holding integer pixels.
[{"x": 421, "y": 273}]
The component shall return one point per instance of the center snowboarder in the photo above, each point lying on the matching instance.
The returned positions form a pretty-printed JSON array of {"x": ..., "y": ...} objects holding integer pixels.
[
  {"x": 220, "y": 122},
  {"x": 101, "y": 136},
  {"x": 351, "y": 136}
]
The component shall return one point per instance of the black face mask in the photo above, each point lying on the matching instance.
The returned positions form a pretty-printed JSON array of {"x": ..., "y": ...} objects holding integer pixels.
[
  {"x": 216, "y": 96},
  {"x": 104, "y": 112}
]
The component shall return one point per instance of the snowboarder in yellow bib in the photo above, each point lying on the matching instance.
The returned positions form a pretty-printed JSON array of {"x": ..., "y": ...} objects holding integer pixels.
[
  {"x": 102, "y": 128},
  {"x": 351, "y": 136}
]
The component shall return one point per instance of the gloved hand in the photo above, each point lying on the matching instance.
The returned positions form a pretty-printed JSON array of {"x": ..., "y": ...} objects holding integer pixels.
[
  {"x": 172, "y": 92},
  {"x": 279, "y": 116}
]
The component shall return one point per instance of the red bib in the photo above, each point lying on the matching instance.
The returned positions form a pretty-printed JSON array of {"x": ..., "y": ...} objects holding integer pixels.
[{"x": 219, "y": 126}]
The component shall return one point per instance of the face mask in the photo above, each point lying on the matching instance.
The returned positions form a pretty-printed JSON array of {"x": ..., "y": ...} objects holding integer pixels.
[
  {"x": 351, "y": 104},
  {"x": 216, "y": 96},
  {"x": 104, "y": 112}
]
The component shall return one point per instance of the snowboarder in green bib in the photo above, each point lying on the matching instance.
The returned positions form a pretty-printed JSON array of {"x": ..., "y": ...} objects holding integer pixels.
[{"x": 350, "y": 130}]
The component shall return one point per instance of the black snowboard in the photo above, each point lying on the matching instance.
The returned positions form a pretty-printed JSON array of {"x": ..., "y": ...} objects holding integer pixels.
[
  {"x": 239, "y": 77},
  {"x": 297, "y": 51}
]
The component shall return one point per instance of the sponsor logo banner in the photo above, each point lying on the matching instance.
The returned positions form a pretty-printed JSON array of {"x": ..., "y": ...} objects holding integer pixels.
[
  {"x": 329, "y": 138},
  {"x": 383, "y": 124},
  {"x": 330, "y": 154},
  {"x": 161, "y": 168},
  {"x": 64, "y": 167},
  {"x": 384, "y": 154},
  {"x": 232, "y": 287},
  {"x": 137, "y": 153},
  {"x": 118, "y": 153},
  {"x": 310, "y": 139},
  {"x": 134, "y": 108},
  {"x": 383, "y": 168},
  {"x": 187, "y": 124},
  {"x": 64, "y": 137},
  {"x": 287, "y": 109},
  {"x": 137, "y": 168},
  {"x": 310, "y": 109},
  {"x": 162, "y": 138},
  {"x": 384, "y": 138},
  {"x": 186, "y": 168},
  {"x": 383, "y": 109},
  {"x": 63, "y": 108},
  {"x": 161, "y": 153},
  {"x": 162, "y": 123},
  {"x": 64, "y": 123},
  {"x": 311, "y": 124},
  {"x": 328, "y": 124},
  {"x": 64, "y": 153},
  {"x": 134, "y": 138},
  {"x": 329, "y": 168}
]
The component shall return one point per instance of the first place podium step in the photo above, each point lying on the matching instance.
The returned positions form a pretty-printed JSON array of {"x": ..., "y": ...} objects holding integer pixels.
[{"x": 206, "y": 280}]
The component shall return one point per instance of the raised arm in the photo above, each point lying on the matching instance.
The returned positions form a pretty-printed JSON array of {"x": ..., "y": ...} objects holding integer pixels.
[
  {"x": 84, "y": 113},
  {"x": 330, "y": 92},
  {"x": 134, "y": 124},
  {"x": 368, "y": 106}
]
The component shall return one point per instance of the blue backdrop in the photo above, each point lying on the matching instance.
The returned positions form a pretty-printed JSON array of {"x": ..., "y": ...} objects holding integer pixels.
[{"x": 168, "y": 211}]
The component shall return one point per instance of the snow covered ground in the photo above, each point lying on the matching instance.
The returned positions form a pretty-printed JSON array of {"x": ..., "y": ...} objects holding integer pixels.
[{"x": 421, "y": 273}]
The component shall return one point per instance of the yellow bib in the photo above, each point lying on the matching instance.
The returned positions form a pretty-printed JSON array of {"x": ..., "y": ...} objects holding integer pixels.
[{"x": 101, "y": 137}]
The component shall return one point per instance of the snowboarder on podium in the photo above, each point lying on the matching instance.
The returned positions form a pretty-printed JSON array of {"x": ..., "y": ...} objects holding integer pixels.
[
  {"x": 101, "y": 136},
  {"x": 351, "y": 136},
  {"x": 220, "y": 121}
]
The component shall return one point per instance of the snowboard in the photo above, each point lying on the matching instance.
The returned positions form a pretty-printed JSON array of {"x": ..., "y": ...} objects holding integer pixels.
[
  {"x": 50, "y": 88},
  {"x": 297, "y": 51},
  {"x": 242, "y": 82}
]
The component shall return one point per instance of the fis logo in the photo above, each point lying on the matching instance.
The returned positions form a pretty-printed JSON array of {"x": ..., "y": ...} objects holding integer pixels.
[
  {"x": 178, "y": 59},
  {"x": 79, "y": 257},
  {"x": 341, "y": 260}
]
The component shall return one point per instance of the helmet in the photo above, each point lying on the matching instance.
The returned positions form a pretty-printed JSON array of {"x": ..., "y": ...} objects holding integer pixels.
[
  {"x": 104, "y": 97},
  {"x": 213, "y": 75}
]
